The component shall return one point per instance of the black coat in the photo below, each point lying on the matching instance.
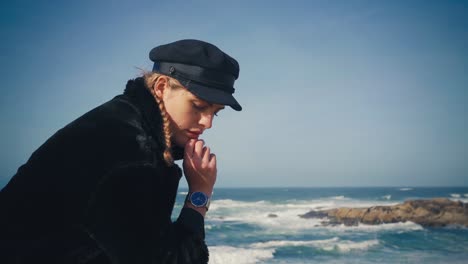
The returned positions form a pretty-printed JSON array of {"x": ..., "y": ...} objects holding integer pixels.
[{"x": 98, "y": 191}]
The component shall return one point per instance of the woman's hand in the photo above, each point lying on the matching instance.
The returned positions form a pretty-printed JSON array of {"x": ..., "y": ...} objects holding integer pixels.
[{"x": 199, "y": 167}]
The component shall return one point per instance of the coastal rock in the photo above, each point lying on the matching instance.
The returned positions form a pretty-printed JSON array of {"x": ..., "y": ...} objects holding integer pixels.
[{"x": 437, "y": 212}]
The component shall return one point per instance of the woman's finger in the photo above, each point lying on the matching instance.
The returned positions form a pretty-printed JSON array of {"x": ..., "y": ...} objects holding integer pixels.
[
  {"x": 212, "y": 162},
  {"x": 206, "y": 155},
  {"x": 189, "y": 148},
  {"x": 198, "y": 148}
]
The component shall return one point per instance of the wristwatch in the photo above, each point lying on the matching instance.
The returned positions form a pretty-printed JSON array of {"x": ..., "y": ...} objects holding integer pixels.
[{"x": 198, "y": 199}]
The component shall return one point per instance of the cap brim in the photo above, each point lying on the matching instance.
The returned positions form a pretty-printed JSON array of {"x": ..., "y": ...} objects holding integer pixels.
[{"x": 213, "y": 95}]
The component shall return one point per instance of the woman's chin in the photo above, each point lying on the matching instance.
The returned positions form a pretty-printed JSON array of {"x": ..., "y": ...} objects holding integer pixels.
[{"x": 181, "y": 141}]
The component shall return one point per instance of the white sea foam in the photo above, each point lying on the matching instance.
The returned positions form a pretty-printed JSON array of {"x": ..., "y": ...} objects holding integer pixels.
[
  {"x": 406, "y": 189},
  {"x": 458, "y": 197},
  {"x": 387, "y": 197},
  {"x": 466, "y": 195},
  {"x": 326, "y": 244},
  {"x": 228, "y": 203},
  {"x": 339, "y": 197},
  {"x": 347, "y": 246},
  {"x": 238, "y": 255},
  {"x": 398, "y": 227},
  {"x": 318, "y": 204},
  {"x": 278, "y": 216},
  {"x": 291, "y": 243}
]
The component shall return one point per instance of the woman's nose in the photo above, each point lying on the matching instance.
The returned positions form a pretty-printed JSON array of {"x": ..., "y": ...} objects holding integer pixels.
[{"x": 206, "y": 120}]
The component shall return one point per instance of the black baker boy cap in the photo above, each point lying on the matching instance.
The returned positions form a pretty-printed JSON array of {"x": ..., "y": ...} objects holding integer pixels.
[{"x": 201, "y": 67}]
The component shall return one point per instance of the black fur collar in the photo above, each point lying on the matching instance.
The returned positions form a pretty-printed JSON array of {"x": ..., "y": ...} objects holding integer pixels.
[{"x": 137, "y": 90}]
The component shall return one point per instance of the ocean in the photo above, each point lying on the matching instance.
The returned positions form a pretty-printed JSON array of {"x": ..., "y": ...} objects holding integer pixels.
[{"x": 261, "y": 225}]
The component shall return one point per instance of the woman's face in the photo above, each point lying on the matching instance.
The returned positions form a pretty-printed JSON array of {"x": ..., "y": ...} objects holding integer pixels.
[{"x": 189, "y": 116}]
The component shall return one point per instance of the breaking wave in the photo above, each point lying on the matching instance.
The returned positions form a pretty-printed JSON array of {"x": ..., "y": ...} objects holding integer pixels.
[
  {"x": 387, "y": 197},
  {"x": 334, "y": 244},
  {"x": 263, "y": 251},
  {"x": 406, "y": 189},
  {"x": 283, "y": 217},
  {"x": 237, "y": 255}
]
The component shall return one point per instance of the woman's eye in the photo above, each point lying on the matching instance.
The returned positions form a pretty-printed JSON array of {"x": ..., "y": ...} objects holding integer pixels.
[{"x": 198, "y": 107}]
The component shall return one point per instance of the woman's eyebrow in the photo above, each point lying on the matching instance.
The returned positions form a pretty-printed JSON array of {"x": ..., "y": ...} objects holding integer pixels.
[{"x": 218, "y": 108}]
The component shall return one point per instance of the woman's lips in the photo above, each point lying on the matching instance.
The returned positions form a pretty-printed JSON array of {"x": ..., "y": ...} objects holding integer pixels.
[{"x": 193, "y": 134}]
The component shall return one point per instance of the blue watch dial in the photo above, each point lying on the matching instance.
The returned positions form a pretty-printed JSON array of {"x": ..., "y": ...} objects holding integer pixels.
[{"x": 198, "y": 199}]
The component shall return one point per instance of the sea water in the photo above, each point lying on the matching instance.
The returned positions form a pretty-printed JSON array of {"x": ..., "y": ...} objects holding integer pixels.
[{"x": 262, "y": 225}]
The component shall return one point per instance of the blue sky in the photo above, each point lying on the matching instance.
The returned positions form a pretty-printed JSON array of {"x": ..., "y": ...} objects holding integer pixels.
[{"x": 335, "y": 93}]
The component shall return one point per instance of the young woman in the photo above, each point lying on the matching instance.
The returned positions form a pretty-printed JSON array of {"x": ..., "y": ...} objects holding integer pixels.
[{"x": 102, "y": 189}]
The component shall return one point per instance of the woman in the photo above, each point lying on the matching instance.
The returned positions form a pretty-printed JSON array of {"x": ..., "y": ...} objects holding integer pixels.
[{"x": 102, "y": 189}]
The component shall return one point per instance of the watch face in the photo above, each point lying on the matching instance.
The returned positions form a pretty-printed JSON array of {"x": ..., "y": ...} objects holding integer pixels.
[{"x": 198, "y": 199}]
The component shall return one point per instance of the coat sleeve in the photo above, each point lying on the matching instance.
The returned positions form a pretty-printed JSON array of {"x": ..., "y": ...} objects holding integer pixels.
[{"x": 129, "y": 217}]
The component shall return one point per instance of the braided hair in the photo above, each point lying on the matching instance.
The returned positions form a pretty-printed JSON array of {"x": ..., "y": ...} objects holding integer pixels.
[{"x": 150, "y": 79}]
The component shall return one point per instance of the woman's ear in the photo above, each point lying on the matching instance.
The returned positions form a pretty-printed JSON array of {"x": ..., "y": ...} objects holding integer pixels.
[{"x": 159, "y": 86}]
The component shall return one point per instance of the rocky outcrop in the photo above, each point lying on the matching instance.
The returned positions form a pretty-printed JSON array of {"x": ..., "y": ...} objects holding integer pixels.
[{"x": 436, "y": 212}]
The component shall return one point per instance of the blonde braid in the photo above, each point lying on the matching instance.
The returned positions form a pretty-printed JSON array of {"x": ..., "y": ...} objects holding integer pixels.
[
  {"x": 151, "y": 79},
  {"x": 167, "y": 134}
]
